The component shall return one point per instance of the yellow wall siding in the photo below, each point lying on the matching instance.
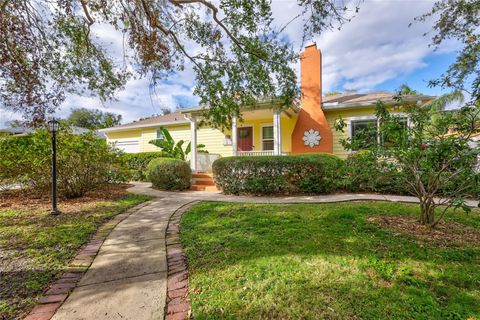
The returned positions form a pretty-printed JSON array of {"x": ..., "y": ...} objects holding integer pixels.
[
  {"x": 124, "y": 136},
  {"x": 288, "y": 124},
  {"x": 178, "y": 132},
  {"x": 213, "y": 139},
  {"x": 148, "y": 134},
  {"x": 130, "y": 134}
]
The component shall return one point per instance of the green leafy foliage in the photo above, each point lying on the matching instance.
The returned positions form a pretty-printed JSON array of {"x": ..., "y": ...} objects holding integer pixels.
[
  {"x": 458, "y": 20},
  {"x": 169, "y": 174},
  {"x": 93, "y": 118},
  {"x": 83, "y": 162},
  {"x": 435, "y": 153},
  {"x": 175, "y": 149},
  {"x": 366, "y": 173},
  {"x": 314, "y": 173},
  {"x": 50, "y": 49},
  {"x": 136, "y": 163}
]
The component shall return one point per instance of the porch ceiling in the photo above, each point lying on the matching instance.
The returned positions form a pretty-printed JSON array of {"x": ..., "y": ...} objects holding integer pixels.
[
  {"x": 265, "y": 113},
  {"x": 257, "y": 114},
  {"x": 262, "y": 110}
]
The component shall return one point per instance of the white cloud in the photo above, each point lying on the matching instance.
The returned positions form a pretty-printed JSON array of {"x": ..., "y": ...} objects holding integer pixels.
[{"x": 376, "y": 46}]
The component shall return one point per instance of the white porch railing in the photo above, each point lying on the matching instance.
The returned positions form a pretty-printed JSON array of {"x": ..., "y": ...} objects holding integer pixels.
[{"x": 255, "y": 153}]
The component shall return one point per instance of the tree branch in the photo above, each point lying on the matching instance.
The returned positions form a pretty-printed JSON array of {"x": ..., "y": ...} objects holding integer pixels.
[
  {"x": 171, "y": 34},
  {"x": 214, "y": 10},
  {"x": 89, "y": 18}
]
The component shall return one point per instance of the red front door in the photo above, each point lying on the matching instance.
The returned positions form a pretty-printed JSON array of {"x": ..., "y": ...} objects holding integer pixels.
[{"x": 245, "y": 139}]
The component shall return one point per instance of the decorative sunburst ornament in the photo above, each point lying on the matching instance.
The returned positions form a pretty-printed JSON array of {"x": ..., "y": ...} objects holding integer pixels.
[{"x": 311, "y": 138}]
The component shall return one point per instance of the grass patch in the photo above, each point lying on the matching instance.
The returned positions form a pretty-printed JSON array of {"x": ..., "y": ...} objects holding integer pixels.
[
  {"x": 35, "y": 247},
  {"x": 325, "y": 261}
]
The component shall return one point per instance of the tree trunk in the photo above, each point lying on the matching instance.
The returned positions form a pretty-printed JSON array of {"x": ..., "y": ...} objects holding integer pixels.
[{"x": 427, "y": 212}]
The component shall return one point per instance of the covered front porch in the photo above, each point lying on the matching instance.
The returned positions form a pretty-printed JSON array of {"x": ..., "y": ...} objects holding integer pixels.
[{"x": 260, "y": 132}]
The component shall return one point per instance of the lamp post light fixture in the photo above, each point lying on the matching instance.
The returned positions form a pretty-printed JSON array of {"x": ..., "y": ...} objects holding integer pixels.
[{"x": 53, "y": 126}]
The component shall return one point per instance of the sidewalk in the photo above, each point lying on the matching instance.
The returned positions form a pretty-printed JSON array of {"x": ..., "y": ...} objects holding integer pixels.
[{"x": 144, "y": 188}]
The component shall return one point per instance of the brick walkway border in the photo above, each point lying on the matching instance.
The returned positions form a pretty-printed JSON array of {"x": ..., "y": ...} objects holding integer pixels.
[
  {"x": 58, "y": 292},
  {"x": 177, "y": 306}
]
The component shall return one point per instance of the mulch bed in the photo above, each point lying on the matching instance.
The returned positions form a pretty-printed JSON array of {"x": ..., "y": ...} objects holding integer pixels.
[
  {"x": 18, "y": 199},
  {"x": 446, "y": 233}
]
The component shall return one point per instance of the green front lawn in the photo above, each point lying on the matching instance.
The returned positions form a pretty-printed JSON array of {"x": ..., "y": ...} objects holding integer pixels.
[
  {"x": 35, "y": 247},
  {"x": 326, "y": 261}
]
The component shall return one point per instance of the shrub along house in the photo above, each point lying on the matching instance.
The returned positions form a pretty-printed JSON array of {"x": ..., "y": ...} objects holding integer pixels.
[{"x": 306, "y": 127}]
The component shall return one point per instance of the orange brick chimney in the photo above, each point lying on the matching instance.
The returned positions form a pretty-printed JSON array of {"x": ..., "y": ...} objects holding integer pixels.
[{"x": 311, "y": 118}]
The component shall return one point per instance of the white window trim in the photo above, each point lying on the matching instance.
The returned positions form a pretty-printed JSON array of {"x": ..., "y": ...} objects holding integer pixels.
[
  {"x": 370, "y": 117},
  {"x": 270, "y": 124}
]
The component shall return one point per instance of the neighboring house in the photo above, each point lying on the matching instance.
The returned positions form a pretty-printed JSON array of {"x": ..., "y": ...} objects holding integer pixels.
[
  {"x": 306, "y": 127},
  {"x": 15, "y": 131}
]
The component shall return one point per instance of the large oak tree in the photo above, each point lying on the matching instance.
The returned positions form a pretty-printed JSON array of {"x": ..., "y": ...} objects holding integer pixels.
[{"x": 48, "y": 49}]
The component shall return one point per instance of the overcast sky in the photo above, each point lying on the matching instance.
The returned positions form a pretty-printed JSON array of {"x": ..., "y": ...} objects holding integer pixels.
[{"x": 375, "y": 51}]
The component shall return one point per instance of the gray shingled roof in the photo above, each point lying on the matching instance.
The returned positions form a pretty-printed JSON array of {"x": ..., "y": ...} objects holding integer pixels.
[
  {"x": 349, "y": 100},
  {"x": 338, "y": 101},
  {"x": 172, "y": 118}
]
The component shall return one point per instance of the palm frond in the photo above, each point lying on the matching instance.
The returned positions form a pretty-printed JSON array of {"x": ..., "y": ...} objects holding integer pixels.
[{"x": 445, "y": 100}]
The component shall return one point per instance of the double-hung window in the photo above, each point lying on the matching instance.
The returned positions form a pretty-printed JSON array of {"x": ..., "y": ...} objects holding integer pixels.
[
  {"x": 267, "y": 138},
  {"x": 364, "y": 132}
]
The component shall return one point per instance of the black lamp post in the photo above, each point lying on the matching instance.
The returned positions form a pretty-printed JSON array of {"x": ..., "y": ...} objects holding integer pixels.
[{"x": 53, "y": 127}]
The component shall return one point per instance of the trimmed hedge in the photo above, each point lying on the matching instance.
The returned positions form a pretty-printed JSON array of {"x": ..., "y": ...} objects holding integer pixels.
[
  {"x": 169, "y": 174},
  {"x": 365, "y": 173},
  {"x": 136, "y": 163},
  {"x": 307, "y": 173}
]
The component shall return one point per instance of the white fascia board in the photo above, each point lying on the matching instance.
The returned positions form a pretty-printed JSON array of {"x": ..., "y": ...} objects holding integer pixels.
[
  {"x": 151, "y": 125},
  {"x": 338, "y": 106}
]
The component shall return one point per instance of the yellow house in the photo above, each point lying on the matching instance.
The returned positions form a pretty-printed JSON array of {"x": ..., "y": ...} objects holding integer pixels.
[{"x": 306, "y": 127}]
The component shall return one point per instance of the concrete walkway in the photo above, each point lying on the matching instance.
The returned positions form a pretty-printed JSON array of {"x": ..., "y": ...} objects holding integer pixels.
[
  {"x": 145, "y": 188},
  {"x": 128, "y": 278}
]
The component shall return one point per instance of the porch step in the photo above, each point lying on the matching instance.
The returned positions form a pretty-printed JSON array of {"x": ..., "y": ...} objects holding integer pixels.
[
  {"x": 204, "y": 188},
  {"x": 202, "y": 175},
  {"x": 203, "y": 182}
]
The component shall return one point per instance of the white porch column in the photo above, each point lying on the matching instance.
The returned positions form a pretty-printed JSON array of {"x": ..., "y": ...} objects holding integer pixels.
[
  {"x": 193, "y": 143},
  {"x": 277, "y": 133},
  {"x": 234, "y": 136}
]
